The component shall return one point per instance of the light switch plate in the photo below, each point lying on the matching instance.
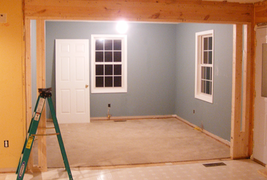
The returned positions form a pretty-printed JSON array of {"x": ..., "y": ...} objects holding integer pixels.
[{"x": 3, "y": 18}]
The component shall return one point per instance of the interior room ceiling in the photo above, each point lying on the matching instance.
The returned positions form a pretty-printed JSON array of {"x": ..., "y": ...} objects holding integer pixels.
[{"x": 240, "y": 1}]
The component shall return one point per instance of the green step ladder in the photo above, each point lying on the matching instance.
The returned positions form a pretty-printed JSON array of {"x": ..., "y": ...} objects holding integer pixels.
[{"x": 43, "y": 94}]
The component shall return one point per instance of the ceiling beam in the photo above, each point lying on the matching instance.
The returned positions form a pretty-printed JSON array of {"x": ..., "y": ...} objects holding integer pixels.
[{"x": 141, "y": 10}]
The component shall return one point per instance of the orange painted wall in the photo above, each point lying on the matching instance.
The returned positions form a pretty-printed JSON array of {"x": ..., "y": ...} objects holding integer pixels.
[{"x": 12, "y": 90}]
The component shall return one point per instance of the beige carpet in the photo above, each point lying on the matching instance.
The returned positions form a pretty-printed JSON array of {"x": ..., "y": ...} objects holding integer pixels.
[{"x": 106, "y": 143}]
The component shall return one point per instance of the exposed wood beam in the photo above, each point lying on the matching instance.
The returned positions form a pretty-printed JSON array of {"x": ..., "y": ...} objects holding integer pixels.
[
  {"x": 239, "y": 134},
  {"x": 252, "y": 48},
  {"x": 140, "y": 10},
  {"x": 248, "y": 89},
  {"x": 28, "y": 84}
]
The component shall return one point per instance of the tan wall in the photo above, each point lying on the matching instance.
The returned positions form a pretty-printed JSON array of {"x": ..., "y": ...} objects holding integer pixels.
[{"x": 12, "y": 98}]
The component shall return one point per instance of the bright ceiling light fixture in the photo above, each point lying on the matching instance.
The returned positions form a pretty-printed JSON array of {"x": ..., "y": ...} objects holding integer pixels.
[{"x": 122, "y": 27}]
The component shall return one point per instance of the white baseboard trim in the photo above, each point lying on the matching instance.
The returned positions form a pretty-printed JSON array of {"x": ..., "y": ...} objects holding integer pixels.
[
  {"x": 130, "y": 117},
  {"x": 224, "y": 141}
]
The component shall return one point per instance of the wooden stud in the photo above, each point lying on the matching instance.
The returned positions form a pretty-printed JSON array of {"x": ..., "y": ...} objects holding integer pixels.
[
  {"x": 244, "y": 80},
  {"x": 40, "y": 64},
  {"x": 252, "y": 49},
  {"x": 236, "y": 90},
  {"x": 28, "y": 84},
  {"x": 239, "y": 136},
  {"x": 248, "y": 98}
]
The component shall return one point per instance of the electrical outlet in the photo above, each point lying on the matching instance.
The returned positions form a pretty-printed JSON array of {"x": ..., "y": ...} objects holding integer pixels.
[
  {"x": 109, "y": 105},
  {"x": 3, "y": 18},
  {"x": 6, "y": 143}
]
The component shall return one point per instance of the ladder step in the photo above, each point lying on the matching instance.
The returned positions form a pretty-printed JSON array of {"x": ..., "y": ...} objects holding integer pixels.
[
  {"x": 52, "y": 134},
  {"x": 46, "y": 127}
]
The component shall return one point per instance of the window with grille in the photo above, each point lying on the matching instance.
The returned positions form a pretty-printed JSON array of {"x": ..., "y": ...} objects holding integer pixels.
[
  {"x": 109, "y": 64},
  {"x": 204, "y": 66}
]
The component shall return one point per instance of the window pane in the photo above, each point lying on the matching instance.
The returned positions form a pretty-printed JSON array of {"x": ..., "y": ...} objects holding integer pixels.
[
  {"x": 99, "y": 44},
  {"x": 117, "y": 56},
  {"x": 108, "y": 81},
  {"x": 210, "y": 43},
  {"x": 108, "y": 56},
  {"x": 205, "y": 58},
  {"x": 108, "y": 44},
  {"x": 210, "y": 57},
  {"x": 99, "y": 56},
  {"x": 108, "y": 70},
  {"x": 117, "y": 44},
  {"x": 206, "y": 73},
  {"x": 99, "y": 82},
  {"x": 203, "y": 86},
  {"x": 117, "y": 69},
  {"x": 117, "y": 81},
  {"x": 99, "y": 70},
  {"x": 209, "y": 73},
  {"x": 202, "y": 72},
  {"x": 206, "y": 87},
  {"x": 206, "y": 43}
]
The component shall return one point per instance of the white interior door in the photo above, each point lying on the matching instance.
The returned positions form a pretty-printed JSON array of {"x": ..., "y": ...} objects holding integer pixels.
[
  {"x": 260, "y": 114},
  {"x": 72, "y": 81}
]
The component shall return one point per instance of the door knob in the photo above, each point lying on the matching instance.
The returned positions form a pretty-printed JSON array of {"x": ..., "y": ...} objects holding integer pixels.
[{"x": 86, "y": 86}]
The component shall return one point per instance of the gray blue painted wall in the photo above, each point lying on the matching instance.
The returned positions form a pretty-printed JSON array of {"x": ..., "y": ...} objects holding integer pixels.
[
  {"x": 215, "y": 117},
  {"x": 151, "y": 66},
  {"x": 33, "y": 63},
  {"x": 161, "y": 71}
]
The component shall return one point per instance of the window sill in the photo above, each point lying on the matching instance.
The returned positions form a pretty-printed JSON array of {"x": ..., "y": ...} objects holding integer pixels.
[
  {"x": 204, "y": 97},
  {"x": 109, "y": 90}
]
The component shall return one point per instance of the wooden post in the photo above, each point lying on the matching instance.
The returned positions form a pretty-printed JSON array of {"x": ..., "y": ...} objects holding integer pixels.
[
  {"x": 252, "y": 48},
  {"x": 240, "y": 105},
  {"x": 40, "y": 53}
]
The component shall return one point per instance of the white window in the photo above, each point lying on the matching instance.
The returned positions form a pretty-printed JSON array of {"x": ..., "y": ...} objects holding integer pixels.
[
  {"x": 204, "y": 66},
  {"x": 108, "y": 63}
]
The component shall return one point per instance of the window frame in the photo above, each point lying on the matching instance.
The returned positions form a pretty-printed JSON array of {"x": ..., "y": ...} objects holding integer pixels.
[
  {"x": 123, "y": 63},
  {"x": 199, "y": 49}
]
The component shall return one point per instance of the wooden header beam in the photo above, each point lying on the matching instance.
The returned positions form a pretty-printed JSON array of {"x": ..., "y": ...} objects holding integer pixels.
[
  {"x": 141, "y": 10},
  {"x": 260, "y": 12}
]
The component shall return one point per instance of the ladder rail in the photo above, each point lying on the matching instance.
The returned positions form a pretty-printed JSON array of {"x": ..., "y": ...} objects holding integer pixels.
[
  {"x": 29, "y": 139},
  {"x": 59, "y": 137},
  {"x": 27, "y": 136}
]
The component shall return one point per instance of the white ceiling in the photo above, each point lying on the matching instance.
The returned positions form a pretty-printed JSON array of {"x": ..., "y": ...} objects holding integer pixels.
[{"x": 240, "y": 1}]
